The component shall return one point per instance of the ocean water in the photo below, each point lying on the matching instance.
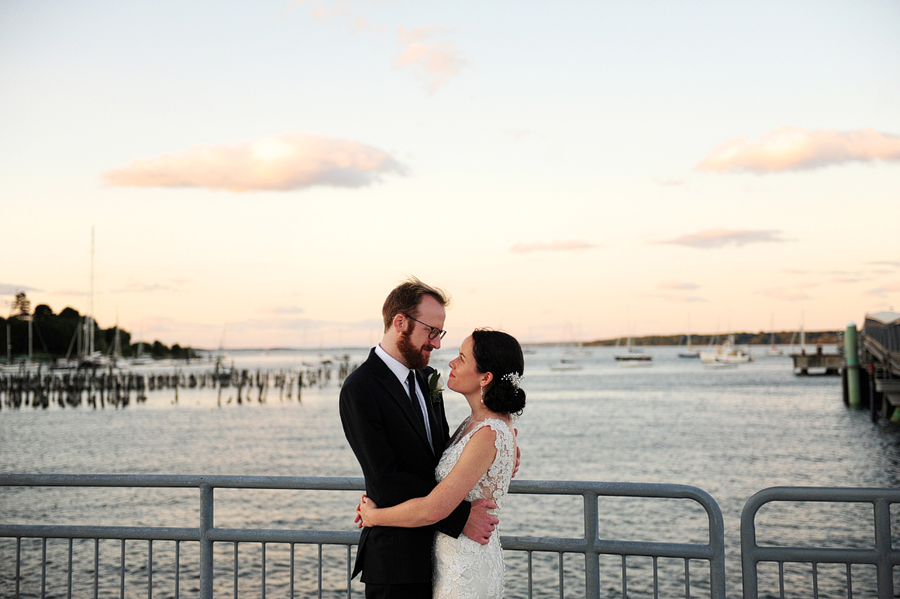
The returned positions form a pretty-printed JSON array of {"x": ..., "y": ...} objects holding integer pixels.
[{"x": 730, "y": 432}]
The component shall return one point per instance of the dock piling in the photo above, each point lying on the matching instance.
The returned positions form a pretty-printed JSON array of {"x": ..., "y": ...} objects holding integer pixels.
[{"x": 851, "y": 355}]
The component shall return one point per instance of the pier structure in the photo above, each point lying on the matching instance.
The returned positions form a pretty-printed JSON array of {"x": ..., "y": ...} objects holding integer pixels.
[
  {"x": 879, "y": 365},
  {"x": 114, "y": 387},
  {"x": 818, "y": 361}
]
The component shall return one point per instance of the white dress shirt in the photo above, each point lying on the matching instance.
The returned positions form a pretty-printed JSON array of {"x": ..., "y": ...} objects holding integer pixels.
[{"x": 402, "y": 372}]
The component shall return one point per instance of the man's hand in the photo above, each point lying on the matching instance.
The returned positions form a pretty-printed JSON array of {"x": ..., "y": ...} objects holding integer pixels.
[
  {"x": 480, "y": 524},
  {"x": 518, "y": 454}
]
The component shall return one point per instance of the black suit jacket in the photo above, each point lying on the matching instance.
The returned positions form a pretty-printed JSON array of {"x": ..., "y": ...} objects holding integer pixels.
[{"x": 392, "y": 448}]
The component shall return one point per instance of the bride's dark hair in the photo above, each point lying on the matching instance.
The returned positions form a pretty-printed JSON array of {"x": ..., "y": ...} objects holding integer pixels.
[{"x": 500, "y": 354}]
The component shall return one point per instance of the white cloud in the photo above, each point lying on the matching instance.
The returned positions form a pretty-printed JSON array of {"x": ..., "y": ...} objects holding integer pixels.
[
  {"x": 681, "y": 299},
  {"x": 433, "y": 61},
  {"x": 791, "y": 293},
  {"x": 276, "y": 163},
  {"x": 554, "y": 246},
  {"x": 143, "y": 288},
  {"x": 7, "y": 289},
  {"x": 793, "y": 148},
  {"x": 287, "y": 310},
  {"x": 886, "y": 263},
  {"x": 716, "y": 238},
  {"x": 678, "y": 285},
  {"x": 885, "y": 290}
]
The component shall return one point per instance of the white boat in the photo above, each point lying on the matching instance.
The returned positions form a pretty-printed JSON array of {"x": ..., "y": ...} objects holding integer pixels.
[
  {"x": 773, "y": 350},
  {"x": 688, "y": 351},
  {"x": 635, "y": 354},
  {"x": 726, "y": 353},
  {"x": 565, "y": 364}
]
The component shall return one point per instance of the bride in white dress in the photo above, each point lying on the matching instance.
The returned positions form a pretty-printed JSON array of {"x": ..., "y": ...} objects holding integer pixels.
[{"x": 477, "y": 464}]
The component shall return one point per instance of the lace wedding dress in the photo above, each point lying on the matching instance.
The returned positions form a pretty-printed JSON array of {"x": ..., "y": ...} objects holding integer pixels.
[{"x": 463, "y": 568}]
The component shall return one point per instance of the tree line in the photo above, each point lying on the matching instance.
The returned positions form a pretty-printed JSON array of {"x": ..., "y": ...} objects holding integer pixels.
[
  {"x": 761, "y": 338},
  {"x": 55, "y": 336}
]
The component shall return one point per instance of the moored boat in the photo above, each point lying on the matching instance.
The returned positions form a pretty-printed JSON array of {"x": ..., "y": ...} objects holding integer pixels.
[{"x": 726, "y": 353}]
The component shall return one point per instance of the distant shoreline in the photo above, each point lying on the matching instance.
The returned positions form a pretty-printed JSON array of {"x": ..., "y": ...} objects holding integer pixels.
[{"x": 781, "y": 338}]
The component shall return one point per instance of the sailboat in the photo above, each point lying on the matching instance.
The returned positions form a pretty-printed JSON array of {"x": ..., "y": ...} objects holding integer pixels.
[
  {"x": 689, "y": 352},
  {"x": 89, "y": 357},
  {"x": 634, "y": 354},
  {"x": 773, "y": 349},
  {"x": 802, "y": 341}
]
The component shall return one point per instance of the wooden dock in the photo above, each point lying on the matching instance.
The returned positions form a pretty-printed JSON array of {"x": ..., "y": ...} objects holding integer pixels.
[
  {"x": 879, "y": 365},
  {"x": 819, "y": 361},
  {"x": 100, "y": 388}
]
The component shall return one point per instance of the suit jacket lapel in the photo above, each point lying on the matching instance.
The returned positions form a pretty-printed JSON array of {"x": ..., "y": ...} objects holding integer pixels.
[{"x": 398, "y": 394}]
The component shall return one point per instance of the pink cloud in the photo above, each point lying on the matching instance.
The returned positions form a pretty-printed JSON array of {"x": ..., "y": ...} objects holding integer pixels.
[
  {"x": 793, "y": 148},
  {"x": 555, "y": 246},
  {"x": 682, "y": 299},
  {"x": 432, "y": 61},
  {"x": 791, "y": 293},
  {"x": 678, "y": 286},
  {"x": 716, "y": 238},
  {"x": 274, "y": 163},
  {"x": 885, "y": 290}
]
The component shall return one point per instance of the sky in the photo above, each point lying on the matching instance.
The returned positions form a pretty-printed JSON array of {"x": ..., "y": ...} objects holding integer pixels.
[{"x": 262, "y": 174}]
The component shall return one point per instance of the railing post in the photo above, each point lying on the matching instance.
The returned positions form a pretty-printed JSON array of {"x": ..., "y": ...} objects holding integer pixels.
[
  {"x": 206, "y": 545},
  {"x": 884, "y": 567},
  {"x": 591, "y": 557}
]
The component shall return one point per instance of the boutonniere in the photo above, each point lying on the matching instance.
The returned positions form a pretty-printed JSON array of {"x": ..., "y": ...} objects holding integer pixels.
[{"x": 435, "y": 386}]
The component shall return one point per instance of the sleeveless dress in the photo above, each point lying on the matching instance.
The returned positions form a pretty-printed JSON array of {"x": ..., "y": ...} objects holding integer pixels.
[{"x": 464, "y": 569}]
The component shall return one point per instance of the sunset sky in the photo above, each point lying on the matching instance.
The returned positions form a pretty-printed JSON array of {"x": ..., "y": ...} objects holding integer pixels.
[{"x": 261, "y": 174}]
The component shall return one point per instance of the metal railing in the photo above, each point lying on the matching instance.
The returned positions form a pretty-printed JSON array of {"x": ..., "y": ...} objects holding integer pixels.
[
  {"x": 590, "y": 545},
  {"x": 879, "y": 554}
]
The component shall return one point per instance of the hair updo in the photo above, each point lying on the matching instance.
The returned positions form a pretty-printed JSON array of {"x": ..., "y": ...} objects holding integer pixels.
[{"x": 500, "y": 354}]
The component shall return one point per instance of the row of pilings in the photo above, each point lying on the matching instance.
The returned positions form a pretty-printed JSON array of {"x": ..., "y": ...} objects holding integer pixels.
[{"x": 116, "y": 388}]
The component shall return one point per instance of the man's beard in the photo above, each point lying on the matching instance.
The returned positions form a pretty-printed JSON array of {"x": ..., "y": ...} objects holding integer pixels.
[{"x": 415, "y": 357}]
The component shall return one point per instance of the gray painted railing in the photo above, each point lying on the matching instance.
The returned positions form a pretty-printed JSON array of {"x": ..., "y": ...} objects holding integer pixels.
[
  {"x": 590, "y": 545},
  {"x": 880, "y": 554}
]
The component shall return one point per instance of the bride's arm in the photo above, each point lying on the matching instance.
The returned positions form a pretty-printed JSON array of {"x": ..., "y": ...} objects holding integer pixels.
[{"x": 476, "y": 458}]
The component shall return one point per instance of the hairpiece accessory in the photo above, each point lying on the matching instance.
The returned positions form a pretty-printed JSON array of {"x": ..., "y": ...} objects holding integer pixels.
[{"x": 514, "y": 378}]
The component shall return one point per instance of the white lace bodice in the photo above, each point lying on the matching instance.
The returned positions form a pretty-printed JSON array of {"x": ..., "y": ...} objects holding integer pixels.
[
  {"x": 465, "y": 569},
  {"x": 495, "y": 482}
]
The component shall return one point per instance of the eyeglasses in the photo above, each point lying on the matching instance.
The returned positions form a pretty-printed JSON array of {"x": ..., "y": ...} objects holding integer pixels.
[{"x": 433, "y": 333}]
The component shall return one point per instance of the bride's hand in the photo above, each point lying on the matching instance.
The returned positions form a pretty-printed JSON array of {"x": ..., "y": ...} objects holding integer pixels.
[{"x": 365, "y": 511}]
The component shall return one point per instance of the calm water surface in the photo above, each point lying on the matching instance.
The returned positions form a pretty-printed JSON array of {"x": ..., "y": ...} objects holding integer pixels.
[{"x": 730, "y": 432}]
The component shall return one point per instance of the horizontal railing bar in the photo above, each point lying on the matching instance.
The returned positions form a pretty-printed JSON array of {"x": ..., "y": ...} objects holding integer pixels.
[
  {"x": 825, "y": 555},
  {"x": 821, "y": 494},
  {"x": 146, "y": 533},
  {"x": 313, "y": 483},
  {"x": 609, "y": 489},
  {"x": 258, "y": 535},
  {"x": 638, "y": 548}
]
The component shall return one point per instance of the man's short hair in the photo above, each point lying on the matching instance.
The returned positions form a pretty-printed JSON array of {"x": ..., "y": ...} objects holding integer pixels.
[{"x": 406, "y": 297}]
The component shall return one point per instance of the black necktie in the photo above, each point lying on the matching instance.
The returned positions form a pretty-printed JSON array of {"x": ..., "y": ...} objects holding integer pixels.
[{"x": 411, "y": 382}]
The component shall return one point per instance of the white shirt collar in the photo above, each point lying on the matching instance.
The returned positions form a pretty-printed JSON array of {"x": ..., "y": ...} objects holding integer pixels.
[{"x": 399, "y": 370}]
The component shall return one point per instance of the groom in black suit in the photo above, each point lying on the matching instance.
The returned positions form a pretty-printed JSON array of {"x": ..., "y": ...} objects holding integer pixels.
[{"x": 398, "y": 434}]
